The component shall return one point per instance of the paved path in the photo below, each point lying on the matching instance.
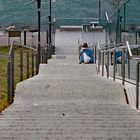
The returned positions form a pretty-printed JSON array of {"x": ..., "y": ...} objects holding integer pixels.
[{"x": 68, "y": 101}]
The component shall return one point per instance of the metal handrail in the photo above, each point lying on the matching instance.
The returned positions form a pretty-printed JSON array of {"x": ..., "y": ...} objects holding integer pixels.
[
  {"x": 134, "y": 57},
  {"x": 11, "y": 47},
  {"x": 122, "y": 47},
  {"x": 31, "y": 53},
  {"x": 43, "y": 45},
  {"x": 4, "y": 56},
  {"x": 98, "y": 45},
  {"x": 11, "y": 67},
  {"x": 25, "y": 46},
  {"x": 129, "y": 49}
]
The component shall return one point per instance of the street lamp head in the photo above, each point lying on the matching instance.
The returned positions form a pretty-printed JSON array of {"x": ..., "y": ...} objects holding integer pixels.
[
  {"x": 38, "y": 3},
  {"x": 94, "y": 24}
]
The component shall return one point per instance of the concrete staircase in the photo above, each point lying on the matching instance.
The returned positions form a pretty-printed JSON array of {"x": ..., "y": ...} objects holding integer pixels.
[{"x": 69, "y": 101}]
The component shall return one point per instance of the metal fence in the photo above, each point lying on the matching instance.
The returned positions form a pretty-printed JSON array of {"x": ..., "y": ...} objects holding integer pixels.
[
  {"x": 22, "y": 63},
  {"x": 124, "y": 23},
  {"x": 120, "y": 61}
]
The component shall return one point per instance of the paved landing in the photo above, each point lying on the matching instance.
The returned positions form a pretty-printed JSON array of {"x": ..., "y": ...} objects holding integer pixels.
[{"x": 69, "y": 101}]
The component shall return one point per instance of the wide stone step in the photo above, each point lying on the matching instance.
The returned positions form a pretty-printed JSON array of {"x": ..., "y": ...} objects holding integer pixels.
[
  {"x": 73, "y": 120},
  {"x": 68, "y": 101}
]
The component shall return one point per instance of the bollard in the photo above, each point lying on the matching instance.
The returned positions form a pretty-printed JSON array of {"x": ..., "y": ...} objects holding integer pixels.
[{"x": 21, "y": 64}]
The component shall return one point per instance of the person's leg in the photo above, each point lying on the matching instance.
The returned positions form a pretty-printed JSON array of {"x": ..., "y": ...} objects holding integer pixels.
[{"x": 81, "y": 60}]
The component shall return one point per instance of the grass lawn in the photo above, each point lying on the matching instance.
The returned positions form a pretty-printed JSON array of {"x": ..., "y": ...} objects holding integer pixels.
[{"x": 3, "y": 72}]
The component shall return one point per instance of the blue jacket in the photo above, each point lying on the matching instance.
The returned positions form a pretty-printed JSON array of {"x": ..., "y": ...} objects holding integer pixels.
[{"x": 89, "y": 52}]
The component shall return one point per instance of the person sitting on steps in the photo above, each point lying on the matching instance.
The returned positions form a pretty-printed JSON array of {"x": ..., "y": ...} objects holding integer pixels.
[{"x": 86, "y": 55}]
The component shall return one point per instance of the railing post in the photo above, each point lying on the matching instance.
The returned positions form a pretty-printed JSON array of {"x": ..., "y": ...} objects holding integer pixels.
[
  {"x": 24, "y": 36},
  {"x": 49, "y": 52},
  {"x": 95, "y": 54},
  {"x": 137, "y": 85},
  {"x": 108, "y": 64},
  {"x": 42, "y": 55},
  {"x": 44, "y": 58},
  {"x": 32, "y": 63},
  {"x": 12, "y": 74},
  {"x": 47, "y": 37},
  {"x": 27, "y": 64},
  {"x": 37, "y": 63},
  {"x": 103, "y": 63},
  {"x": 99, "y": 60},
  {"x": 9, "y": 82},
  {"x": 21, "y": 64},
  {"x": 114, "y": 64},
  {"x": 123, "y": 66},
  {"x": 128, "y": 64}
]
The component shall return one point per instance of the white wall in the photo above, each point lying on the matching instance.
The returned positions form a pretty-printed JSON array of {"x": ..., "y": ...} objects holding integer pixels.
[{"x": 71, "y": 38}]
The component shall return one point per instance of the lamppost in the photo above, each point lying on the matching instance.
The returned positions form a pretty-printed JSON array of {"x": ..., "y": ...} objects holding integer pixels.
[
  {"x": 99, "y": 10},
  {"x": 50, "y": 21},
  {"x": 38, "y": 49},
  {"x": 50, "y": 27}
]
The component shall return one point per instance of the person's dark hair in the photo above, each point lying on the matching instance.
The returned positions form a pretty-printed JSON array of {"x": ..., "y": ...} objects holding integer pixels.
[{"x": 85, "y": 45}]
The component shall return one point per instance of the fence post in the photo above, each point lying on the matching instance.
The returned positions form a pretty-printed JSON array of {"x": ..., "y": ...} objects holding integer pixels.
[
  {"x": 114, "y": 64},
  {"x": 24, "y": 36},
  {"x": 9, "y": 82},
  {"x": 32, "y": 63},
  {"x": 21, "y": 64},
  {"x": 103, "y": 63},
  {"x": 123, "y": 66},
  {"x": 27, "y": 64},
  {"x": 99, "y": 60},
  {"x": 42, "y": 55},
  {"x": 137, "y": 85},
  {"x": 37, "y": 63},
  {"x": 95, "y": 54},
  {"x": 128, "y": 64},
  {"x": 108, "y": 64},
  {"x": 12, "y": 74}
]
